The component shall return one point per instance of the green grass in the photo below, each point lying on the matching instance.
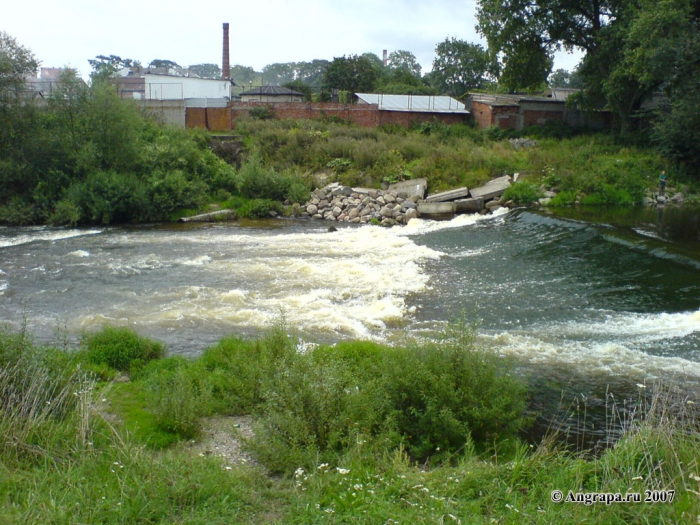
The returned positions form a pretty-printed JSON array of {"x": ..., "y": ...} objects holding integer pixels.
[
  {"x": 361, "y": 433},
  {"x": 593, "y": 166}
]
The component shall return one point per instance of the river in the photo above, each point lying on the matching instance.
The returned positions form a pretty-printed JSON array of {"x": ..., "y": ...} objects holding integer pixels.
[{"x": 581, "y": 300}]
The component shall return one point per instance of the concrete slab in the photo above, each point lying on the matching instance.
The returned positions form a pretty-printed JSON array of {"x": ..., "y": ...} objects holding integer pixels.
[
  {"x": 410, "y": 188},
  {"x": 491, "y": 189},
  {"x": 450, "y": 195},
  {"x": 436, "y": 210},
  {"x": 469, "y": 205}
]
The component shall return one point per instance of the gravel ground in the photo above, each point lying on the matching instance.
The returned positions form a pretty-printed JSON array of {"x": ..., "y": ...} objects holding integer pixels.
[{"x": 222, "y": 438}]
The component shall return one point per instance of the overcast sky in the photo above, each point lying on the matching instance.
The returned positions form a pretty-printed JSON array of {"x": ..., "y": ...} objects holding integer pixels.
[{"x": 69, "y": 32}]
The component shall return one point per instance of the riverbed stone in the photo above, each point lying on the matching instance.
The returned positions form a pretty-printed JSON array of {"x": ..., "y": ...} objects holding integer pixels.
[{"x": 311, "y": 209}]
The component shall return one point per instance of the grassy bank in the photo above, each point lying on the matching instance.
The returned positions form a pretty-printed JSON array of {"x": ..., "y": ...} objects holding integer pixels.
[{"x": 356, "y": 433}]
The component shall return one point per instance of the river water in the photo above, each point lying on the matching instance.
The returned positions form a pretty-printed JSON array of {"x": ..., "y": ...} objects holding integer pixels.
[{"x": 579, "y": 305}]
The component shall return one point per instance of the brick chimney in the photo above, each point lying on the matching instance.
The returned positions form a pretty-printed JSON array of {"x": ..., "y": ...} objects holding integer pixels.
[{"x": 226, "y": 65}]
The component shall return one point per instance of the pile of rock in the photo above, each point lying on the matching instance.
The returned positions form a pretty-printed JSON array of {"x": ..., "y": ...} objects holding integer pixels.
[
  {"x": 361, "y": 205},
  {"x": 400, "y": 202}
]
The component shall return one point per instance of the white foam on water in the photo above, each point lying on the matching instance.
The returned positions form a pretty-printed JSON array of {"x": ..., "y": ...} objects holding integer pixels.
[
  {"x": 423, "y": 226},
  {"x": 470, "y": 253},
  {"x": 198, "y": 261},
  {"x": 41, "y": 234},
  {"x": 612, "y": 358},
  {"x": 352, "y": 282},
  {"x": 636, "y": 327},
  {"x": 78, "y": 253},
  {"x": 148, "y": 262}
]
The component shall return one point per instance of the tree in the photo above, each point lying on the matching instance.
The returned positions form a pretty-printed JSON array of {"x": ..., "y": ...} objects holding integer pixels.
[
  {"x": 279, "y": 73},
  {"x": 460, "y": 67},
  {"x": 169, "y": 64},
  {"x": 404, "y": 61},
  {"x": 104, "y": 67},
  {"x": 301, "y": 87},
  {"x": 16, "y": 64},
  {"x": 355, "y": 74},
  {"x": 525, "y": 33},
  {"x": 245, "y": 76},
  {"x": 561, "y": 78},
  {"x": 206, "y": 70},
  {"x": 311, "y": 73}
]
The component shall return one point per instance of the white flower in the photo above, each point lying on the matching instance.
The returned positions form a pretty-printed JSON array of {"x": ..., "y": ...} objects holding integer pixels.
[
  {"x": 342, "y": 471},
  {"x": 639, "y": 385},
  {"x": 299, "y": 472}
]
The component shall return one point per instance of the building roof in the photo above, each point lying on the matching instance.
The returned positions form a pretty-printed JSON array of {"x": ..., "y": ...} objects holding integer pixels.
[
  {"x": 500, "y": 100},
  {"x": 414, "y": 103},
  {"x": 271, "y": 90}
]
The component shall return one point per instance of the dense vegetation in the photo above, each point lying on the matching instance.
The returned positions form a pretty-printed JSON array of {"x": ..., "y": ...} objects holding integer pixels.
[
  {"x": 85, "y": 156},
  {"x": 360, "y": 433}
]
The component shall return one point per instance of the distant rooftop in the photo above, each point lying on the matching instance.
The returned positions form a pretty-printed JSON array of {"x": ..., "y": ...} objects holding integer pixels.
[
  {"x": 416, "y": 103},
  {"x": 271, "y": 90}
]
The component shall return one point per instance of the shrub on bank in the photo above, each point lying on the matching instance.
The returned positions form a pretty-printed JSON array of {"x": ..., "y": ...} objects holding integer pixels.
[{"x": 120, "y": 349}]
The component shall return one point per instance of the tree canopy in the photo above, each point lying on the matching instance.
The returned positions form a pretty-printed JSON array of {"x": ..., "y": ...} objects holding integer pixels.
[
  {"x": 16, "y": 64},
  {"x": 355, "y": 74},
  {"x": 460, "y": 67}
]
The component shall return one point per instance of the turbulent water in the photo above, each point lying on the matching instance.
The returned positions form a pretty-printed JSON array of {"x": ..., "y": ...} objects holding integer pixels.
[{"x": 563, "y": 296}]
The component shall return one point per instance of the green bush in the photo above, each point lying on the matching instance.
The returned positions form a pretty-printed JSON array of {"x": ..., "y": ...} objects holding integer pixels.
[
  {"x": 179, "y": 396},
  {"x": 262, "y": 113},
  {"x": 522, "y": 193},
  {"x": 433, "y": 399},
  {"x": 120, "y": 348}
]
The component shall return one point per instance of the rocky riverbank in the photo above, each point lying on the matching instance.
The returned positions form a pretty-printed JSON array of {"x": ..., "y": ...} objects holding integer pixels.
[{"x": 400, "y": 202}]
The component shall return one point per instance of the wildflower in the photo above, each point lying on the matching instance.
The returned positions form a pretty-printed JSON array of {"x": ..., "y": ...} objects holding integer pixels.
[
  {"x": 637, "y": 478},
  {"x": 227, "y": 467},
  {"x": 639, "y": 385},
  {"x": 342, "y": 471},
  {"x": 357, "y": 486},
  {"x": 299, "y": 472},
  {"x": 323, "y": 466},
  {"x": 695, "y": 477}
]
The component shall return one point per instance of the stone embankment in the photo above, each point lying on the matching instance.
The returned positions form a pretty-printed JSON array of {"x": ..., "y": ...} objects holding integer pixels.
[{"x": 400, "y": 202}]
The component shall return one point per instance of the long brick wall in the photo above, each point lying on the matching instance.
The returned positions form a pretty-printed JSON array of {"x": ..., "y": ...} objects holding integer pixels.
[{"x": 367, "y": 115}]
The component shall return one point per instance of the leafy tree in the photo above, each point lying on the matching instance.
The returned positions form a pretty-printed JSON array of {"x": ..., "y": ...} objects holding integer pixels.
[
  {"x": 301, "y": 87},
  {"x": 355, "y": 74},
  {"x": 20, "y": 127},
  {"x": 279, "y": 73},
  {"x": 562, "y": 78},
  {"x": 311, "y": 73},
  {"x": 16, "y": 64},
  {"x": 527, "y": 32},
  {"x": 206, "y": 70},
  {"x": 404, "y": 61},
  {"x": 245, "y": 76},
  {"x": 460, "y": 67},
  {"x": 158, "y": 62},
  {"x": 104, "y": 67}
]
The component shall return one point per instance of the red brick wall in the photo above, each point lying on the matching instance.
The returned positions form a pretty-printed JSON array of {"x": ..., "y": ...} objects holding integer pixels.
[
  {"x": 482, "y": 115},
  {"x": 367, "y": 115},
  {"x": 361, "y": 114}
]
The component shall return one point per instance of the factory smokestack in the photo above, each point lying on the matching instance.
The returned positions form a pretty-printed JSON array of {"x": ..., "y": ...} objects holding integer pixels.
[
  {"x": 226, "y": 65},
  {"x": 384, "y": 59}
]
